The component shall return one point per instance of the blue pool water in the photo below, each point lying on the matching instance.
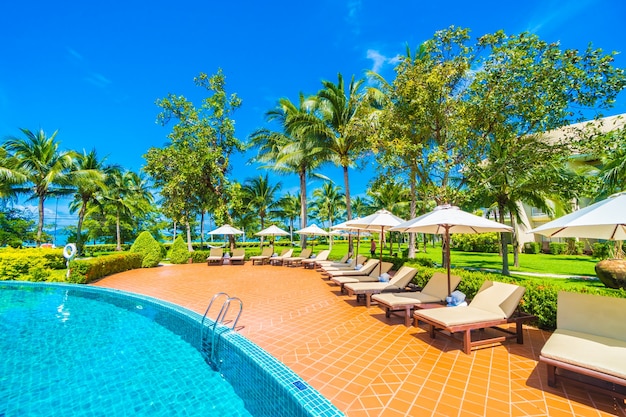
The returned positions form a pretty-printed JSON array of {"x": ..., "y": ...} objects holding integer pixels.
[{"x": 75, "y": 352}]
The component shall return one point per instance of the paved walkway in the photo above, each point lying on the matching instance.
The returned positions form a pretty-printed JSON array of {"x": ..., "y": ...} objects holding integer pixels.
[{"x": 366, "y": 364}]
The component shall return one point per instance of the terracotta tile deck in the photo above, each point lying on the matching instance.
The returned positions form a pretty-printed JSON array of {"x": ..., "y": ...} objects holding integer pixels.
[{"x": 366, "y": 364}]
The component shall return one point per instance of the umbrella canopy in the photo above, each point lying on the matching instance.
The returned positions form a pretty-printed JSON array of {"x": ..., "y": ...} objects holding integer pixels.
[
  {"x": 272, "y": 231},
  {"x": 449, "y": 219},
  {"x": 378, "y": 221},
  {"x": 227, "y": 229},
  {"x": 312, "y": 230},
  {"x": 605, "y": 219},
  {"x": 345, "y": 226}
]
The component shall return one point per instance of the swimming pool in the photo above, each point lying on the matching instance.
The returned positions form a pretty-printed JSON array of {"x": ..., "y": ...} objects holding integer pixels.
[{"x": 83, "y": 351}]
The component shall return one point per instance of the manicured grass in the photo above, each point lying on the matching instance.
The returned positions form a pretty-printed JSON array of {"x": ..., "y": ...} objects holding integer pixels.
[{"x": 534, "y": 263}]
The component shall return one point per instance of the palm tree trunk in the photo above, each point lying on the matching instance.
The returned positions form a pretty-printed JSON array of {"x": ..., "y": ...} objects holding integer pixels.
[
  {"x": 503, "y": 244},
  {"x": 202, "y": 229},
  {"x": 118, "y": 232},
  {"x": 40, "y": 226},
  {"x": 303, "y": 211},
  {"x": 79, "y": 228},
  {"x": 346, "y": 184},
  {"x": 515, "y": 242}
]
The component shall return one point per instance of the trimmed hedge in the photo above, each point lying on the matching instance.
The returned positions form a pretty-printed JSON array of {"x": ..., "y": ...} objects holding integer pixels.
[
  {"x": 84, "y": 271},
  {"x": 33, "y": 264},
  {"x": 532, "y": 247},
  {"x": 540, "y": 298},
  {"x": 179, "y": 254},
  {"x": 147, "y": 245}
]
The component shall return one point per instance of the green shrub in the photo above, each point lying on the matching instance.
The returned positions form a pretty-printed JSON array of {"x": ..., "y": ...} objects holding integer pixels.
[
  {"x": 199, "y": 256},
  {"x": 574, "y": 247},
  {"x": 532, "y": 247},
  {"x": 147, "y": 246},
  {"x": 481, "y": 242},
  {"x": 104, "y": 247},
  {"x": 557, "y": 248},
  {"x": 602, "y": 250},
  {"x": 84, "y": 271},
  {"x": 29, "y": 263},
  {"x": 178, "y": 252}
]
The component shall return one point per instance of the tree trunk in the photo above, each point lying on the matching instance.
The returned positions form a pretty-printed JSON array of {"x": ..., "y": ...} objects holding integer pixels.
[
  {"x": 202, "y": 229},
  {"x": 174, "y": 234},
  {"x": 79, "y": 228},
  {"x": 515, "y": 242},
  {"x": 412, "y": 212},
  {"x": 189, "y": 244},
  {"x": 303, "y": 211},
  {"x": 118, "y": 232},
  {"x": 503, "y": 246},
  {"x": 40, "y": 226},
  {"x": 346, "y": 183}
]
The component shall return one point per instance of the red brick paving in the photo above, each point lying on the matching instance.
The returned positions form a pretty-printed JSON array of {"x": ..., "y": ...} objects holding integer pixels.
[{"x": 366, "y": 364}]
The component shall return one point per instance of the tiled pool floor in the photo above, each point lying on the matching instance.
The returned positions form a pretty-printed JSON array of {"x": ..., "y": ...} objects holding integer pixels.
[{"x": 366, "y": 364}]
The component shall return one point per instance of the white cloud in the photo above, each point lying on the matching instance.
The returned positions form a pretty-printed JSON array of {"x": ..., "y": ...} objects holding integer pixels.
[{"x": 380, "y": 60}]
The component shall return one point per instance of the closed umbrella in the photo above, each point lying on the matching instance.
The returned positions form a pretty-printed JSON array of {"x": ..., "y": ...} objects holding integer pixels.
[
  {"x": 380, "y": 221},
  {"x": 447, "y": 219}
]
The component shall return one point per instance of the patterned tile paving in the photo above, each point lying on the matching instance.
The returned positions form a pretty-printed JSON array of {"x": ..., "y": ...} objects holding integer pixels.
[{"x": 365, "y": 363}]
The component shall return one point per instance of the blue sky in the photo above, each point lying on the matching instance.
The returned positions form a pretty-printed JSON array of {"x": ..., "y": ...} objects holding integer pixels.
[{"x": 93, "y": 70}]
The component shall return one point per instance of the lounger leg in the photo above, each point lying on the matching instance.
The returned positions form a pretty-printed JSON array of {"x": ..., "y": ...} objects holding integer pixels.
[
  {"x": 551, "y": 375},
  {"x": 467, "y": 341},
  {"x": 431, "y": 331},
  {"x": 520, "y": 332},
  {"x": 368, "y": 300}
]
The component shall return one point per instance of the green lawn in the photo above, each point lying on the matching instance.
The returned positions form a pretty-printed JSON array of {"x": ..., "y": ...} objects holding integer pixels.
[{"x": 537, "y": 263}]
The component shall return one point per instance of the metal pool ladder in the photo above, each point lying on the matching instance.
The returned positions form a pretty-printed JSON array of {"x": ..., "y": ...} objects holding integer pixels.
[{"x": 218, "y": 320}]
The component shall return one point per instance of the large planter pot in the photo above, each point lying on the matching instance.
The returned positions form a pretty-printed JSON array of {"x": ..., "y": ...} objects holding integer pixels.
[{"x": 612, "y": 272}]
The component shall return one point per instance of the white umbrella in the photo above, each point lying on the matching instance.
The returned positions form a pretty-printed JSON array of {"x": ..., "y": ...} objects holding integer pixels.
[
  {"x": 344, "y": 226},
  {"x": 449, "y": 219},
  {"x": 312, "y": 230},
  {"x": 272, "y": 231},
  {"x": 605, "y": 219},
  {"x": 226, "y": 229},
  {"x": 378, "y": 221}
]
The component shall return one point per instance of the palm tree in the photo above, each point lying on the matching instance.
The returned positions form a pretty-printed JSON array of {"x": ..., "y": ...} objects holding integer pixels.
[
  {"x": 8, "y": 176},
  {"x": 260, "y": 197},
  {"x": 290, "y": 210},
  {"x": 329, "y": 203},
  {"x": 361, "y": 206},
  {"x": 87, "y": 188},
  {"x": 290, "y": 150},
  {"x": 340, "y": 120},
  {"x": 43, "y": 165},
  {"x": 391, "y": 195},
  {"x": 128, "y": 194}
]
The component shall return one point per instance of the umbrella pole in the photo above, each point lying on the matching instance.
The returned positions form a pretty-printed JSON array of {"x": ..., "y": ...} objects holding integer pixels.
[
  {"x": 447, "y": 243},
  {"x": 380, "y": 243}
]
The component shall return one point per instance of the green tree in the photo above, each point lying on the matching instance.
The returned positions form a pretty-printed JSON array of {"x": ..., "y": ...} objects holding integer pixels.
[
  {"x": 46, "y": 168},
  {"x": 329, "y": 203},
  {"x": 340, "y": 120},
  {"x": 87, "y": 188},
  {"x": 362, "y": 206},
  {"x": 260, "y": 197},
  {"x": 289, "y": 209},
  {"x": 191, "y": 171},
  {"x": 128, "y": 196},
  {"x": 291, "y": 150},
  {"x": 527, "y": 87},
  {"x": 15, "y": 228},
  {"x": 179, "y": 253},
  {"x": 421, "y": 118},
  {"x": 9, "y": 176}
]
